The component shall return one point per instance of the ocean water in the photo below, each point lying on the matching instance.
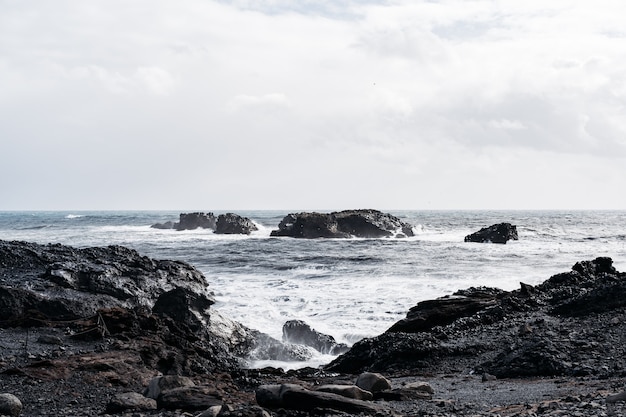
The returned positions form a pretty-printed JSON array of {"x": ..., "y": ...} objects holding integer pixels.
[{"x": 348, "y": 288}]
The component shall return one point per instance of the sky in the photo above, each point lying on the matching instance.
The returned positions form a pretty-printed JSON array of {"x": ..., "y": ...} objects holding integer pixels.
[{"x": 278, "y": 104}]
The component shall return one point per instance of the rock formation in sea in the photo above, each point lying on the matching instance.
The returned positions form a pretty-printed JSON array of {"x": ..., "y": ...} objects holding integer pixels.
[
  {"x": 231, "y": 224},
  {"x": 228, "y": 223},
  {"x": 343, "y": 224},
  {"x": 497, "y": 233}
]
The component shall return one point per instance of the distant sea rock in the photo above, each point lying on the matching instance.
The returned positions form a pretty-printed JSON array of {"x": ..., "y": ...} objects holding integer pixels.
[
  {"x": 233, "y": 224},
  {"x": 228, "y": 223},
  {"x": 344, "y": 224},
  {"x": 497, "y": 233}
]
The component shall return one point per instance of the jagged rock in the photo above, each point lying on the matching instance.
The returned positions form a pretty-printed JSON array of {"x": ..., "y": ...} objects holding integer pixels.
[
  {"x": 230, "y": 223},
  {"x": 537, "y": 357},
  {"x": 191, "y": 221},
  {"x": 309, "y": 226},
  {"x": 296, "y": 397},
  {"x": 372, "y": 382},
  {"x": 441, "y": 311},
  {"x": 183, "y": 306},
  {"x": 10, "y": 405},
  {"x": 63, "y": 283},
  {"x": 497, "y": 233},
  {"x": 298, "y": 332},
  {"x": 343, "y": 224},
  {"x": 130, "y": 401},
  {"x": 572, "y": 324},
  {"x": 349, "y": 391}
]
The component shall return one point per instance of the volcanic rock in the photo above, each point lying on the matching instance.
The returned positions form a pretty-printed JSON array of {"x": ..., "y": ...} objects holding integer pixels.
[
  {"x": 231, "y": 223},
  {"x": 441, "y": 311},
  {"x": 296, "y": 397},
  {"x": 191, "y": 221},
  {"x": 298, "y": 332},
  {"x": 130, "y": 401},
  {"x": 575, "y": 320},
  {"x": 343, "y": 224},
  {"x": 497, "y": 233},
  {"x": 372, "y": 382}
]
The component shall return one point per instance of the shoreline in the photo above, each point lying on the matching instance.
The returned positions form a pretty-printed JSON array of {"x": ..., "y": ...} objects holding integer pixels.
[{"x": 558, "y": 347}]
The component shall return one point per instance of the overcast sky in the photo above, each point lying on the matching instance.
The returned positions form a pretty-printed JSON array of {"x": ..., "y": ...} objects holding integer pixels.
[{"x": 284, "y": 104}]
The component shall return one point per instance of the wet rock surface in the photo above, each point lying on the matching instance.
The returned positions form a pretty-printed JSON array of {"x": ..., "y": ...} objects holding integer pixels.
[
  {"x": 497, "y": 233},
  {"x": 343, "y": 224}
]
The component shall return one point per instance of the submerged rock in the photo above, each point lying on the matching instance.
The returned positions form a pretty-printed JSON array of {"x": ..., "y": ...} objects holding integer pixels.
[
  {"x": 343, "y": 224},
  {"x": 497, "y": 233}
]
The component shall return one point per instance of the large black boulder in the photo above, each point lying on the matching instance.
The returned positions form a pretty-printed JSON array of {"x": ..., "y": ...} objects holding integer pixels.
[
  {"x": 343, "y": 224},
  {"x": 497, "y": 233},
  {"x": 231, "y": 224}
]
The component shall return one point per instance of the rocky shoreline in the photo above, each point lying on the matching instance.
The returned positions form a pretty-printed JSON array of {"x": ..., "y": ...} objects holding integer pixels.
[{"x": 87, "y": 332}]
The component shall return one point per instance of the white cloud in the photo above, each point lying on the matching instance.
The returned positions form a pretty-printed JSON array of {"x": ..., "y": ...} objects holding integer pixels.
[{"x": 448, "y": 95}]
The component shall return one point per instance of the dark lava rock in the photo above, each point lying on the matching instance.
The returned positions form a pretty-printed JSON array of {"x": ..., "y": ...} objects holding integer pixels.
[
  {"x": 497, "y": 233},
  {"x": 230, "y": 223},
  {"x": 183, "y": 306},
  {"x": 572, "y": 324},
  {"x": 190, "y": 221},
  {"x": 343, "y": 224},
  {"x": 296, "y": 397},
  {"x": 298, "y": 332},
  {"x": 428, "y": 314},
  {"x": 157, "y": 307},
  {"x": 62, "y": 283}
]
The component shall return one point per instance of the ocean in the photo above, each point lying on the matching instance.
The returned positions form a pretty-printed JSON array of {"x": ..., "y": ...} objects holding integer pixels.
[{"x": 348, "y": 288}]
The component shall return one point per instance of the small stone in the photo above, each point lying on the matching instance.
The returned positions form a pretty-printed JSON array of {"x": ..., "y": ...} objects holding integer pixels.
[
  {"x": 10, "y": 405},
  {"x": 130, "y": 401},
  {"x": 373, "y": 382}
]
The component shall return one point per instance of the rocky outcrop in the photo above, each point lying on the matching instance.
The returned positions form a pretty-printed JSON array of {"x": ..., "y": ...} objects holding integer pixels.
[
  {"x": 228, "y": 223},
  {"x": 442, "y": 311},
  {"x": 497, "y": 233},
  {"x": 298, "y": 332},
  {"x": 231, "y": 224},
  {"x": 191, "y": 221},
  {"x": 343, "y": 224},
  {"x": 572, "y": 324},
  {"x": 160, "y": 308}
]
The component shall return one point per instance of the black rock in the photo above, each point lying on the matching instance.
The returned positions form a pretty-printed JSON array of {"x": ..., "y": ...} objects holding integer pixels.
[
  {"x": 298, "y": 332},
  {"x": 231, "y": 223},
  {"x": 497, "y": 233},
  {"x": 572, "y": 324},
  {"x": 428, "y": 314},
  {"x": 343, "y": 224},
  {"x": 190, "y": 221}
]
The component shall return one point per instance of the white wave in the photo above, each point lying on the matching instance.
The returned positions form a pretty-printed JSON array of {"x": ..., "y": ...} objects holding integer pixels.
[{"x": 74, "y": 216}]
